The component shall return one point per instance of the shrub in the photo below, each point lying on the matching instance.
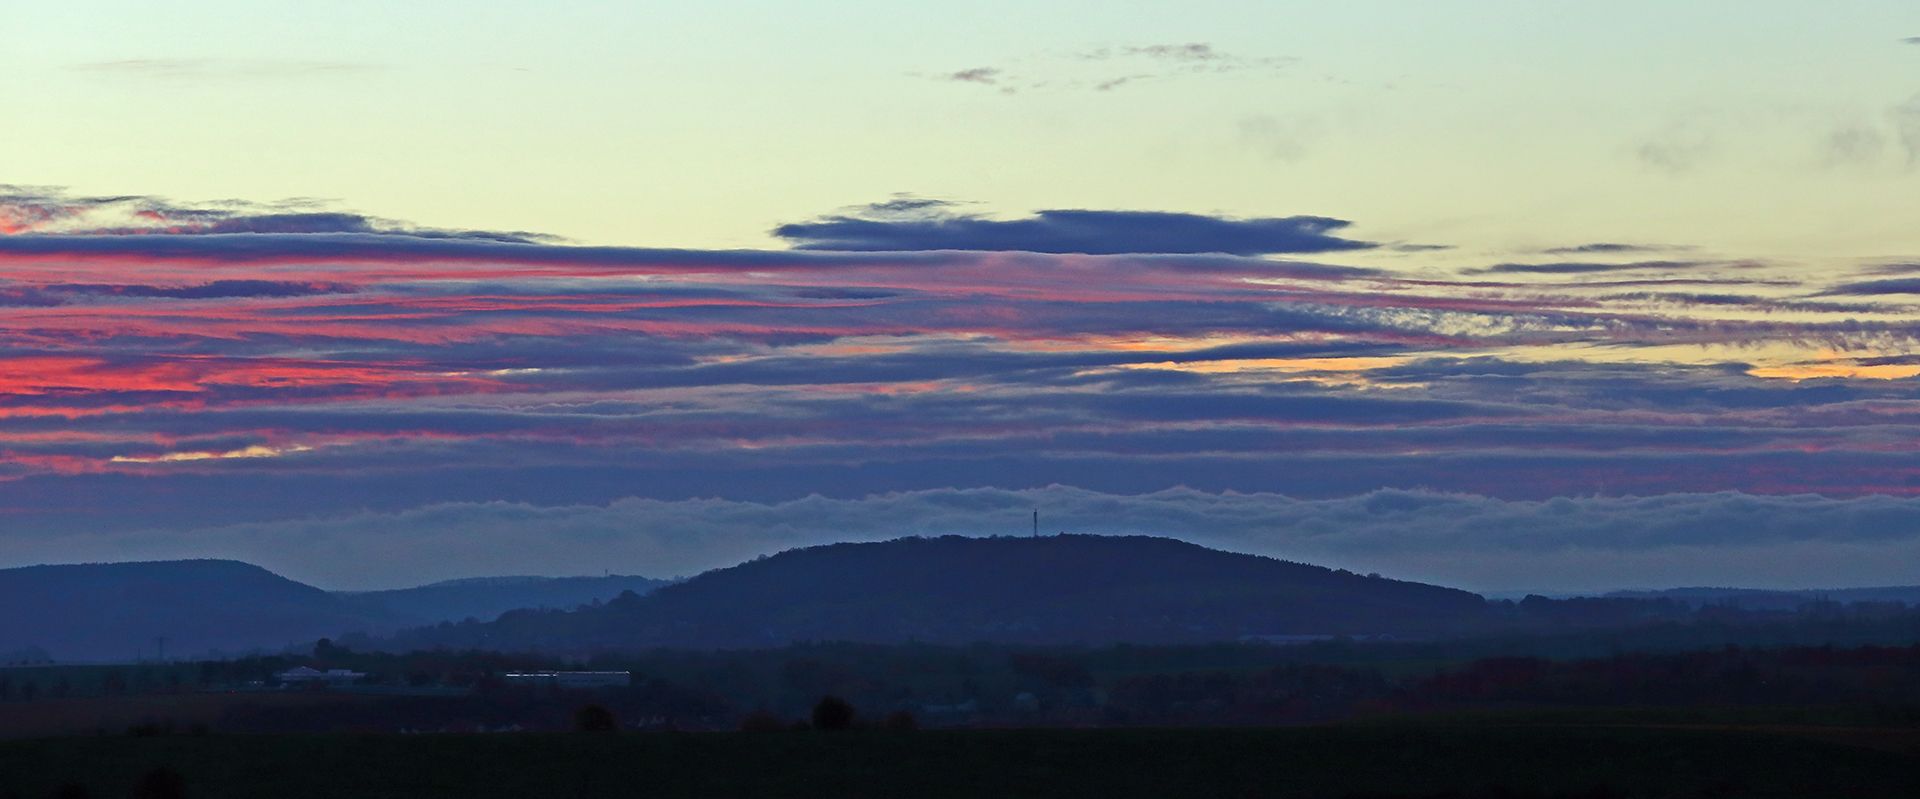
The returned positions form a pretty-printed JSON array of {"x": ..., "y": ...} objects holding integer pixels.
[
  {"x": 594, "y": 718},
  {"x": 900, "y": 720},
  {"x": 832, "y": 713}
]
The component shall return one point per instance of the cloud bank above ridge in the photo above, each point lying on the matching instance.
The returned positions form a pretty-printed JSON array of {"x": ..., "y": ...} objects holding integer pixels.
[
  {"x": 164, "y": 373},
  {"x": 1572, "y": 544}
]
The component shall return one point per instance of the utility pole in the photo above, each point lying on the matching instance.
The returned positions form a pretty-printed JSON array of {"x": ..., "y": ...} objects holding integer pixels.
[
  {"x": 162, "y": 641},
  {"x": 1036, "y": 523}
]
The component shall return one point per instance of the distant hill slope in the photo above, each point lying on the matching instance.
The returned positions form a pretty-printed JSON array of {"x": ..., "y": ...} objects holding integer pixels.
[
  {"x": 1765, "y": 599},
  {"x": 1058, "y": 589},
  {"x": 114, "y": 611},
  {"x": 485, "y": 598}
]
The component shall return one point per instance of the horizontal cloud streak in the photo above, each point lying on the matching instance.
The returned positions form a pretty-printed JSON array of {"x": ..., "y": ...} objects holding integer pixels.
[
  {"x": 926, "y": 225},
  {"x": 1576, "y": 268},
  {"x": 1455, "y": 539}
]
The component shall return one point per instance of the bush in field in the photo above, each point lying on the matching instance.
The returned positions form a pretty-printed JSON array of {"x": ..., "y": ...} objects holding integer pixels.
[
  {"x": 594, "y": 718},
  {"x": 832, "y": 713},
  {"x": 900, "y": 720}
]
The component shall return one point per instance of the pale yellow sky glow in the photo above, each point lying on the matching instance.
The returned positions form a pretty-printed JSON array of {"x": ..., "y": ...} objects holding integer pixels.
[{"x": 1750, "y": 129}]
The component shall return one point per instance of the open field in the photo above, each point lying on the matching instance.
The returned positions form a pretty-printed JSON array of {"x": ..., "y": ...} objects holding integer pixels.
[
  {"x": 1416, "y": 759},
  {"x": 114, "y": 715}
]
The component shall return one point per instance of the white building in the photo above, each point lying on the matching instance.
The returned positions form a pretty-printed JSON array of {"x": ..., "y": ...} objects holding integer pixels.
[
  {"x": 304, "y": 675},
  {"x": 571, "y": 680}
]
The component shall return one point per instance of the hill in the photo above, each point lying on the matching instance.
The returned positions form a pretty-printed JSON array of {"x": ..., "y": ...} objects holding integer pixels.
[
  {"x": 485, "y": 598},
  {"x": 1060, "y": 589},
  {"x": 1767, "y": 599},
  {"x": 115, "y": 611}
]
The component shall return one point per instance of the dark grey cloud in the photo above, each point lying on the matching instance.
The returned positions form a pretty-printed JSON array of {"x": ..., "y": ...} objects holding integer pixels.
[
  {"x": 1573, "y": 268},
  {"x": 1748, "y": 301},
  {"x": 217, "y": 289},
  {"x": 1867, "y": 288},
  {"x": 244, "y": 247},
  {"x": 986, "y": 75},
  {"x": 1605, "y": 247},
  {"x": 932, "y": 226}
]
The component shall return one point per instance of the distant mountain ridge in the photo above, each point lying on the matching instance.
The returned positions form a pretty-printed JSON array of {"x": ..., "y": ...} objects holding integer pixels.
[
  {"x": 485, "y": 598},
  {"x": 954, "y": 589},
  {"x": 118, "y": 611}
]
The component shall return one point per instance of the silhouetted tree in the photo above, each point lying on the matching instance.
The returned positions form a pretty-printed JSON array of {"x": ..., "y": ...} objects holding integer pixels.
[
  {"x": 326, "y": 650},
  {"x": 594, "y": 718},
  {"x": 900, "y": 720},
  {"x": 832, "y": 713},
  {"x": 161, "y": 783}
]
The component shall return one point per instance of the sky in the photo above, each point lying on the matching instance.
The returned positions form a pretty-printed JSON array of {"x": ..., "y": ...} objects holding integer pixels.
[{"x": 1498, "y": 295}]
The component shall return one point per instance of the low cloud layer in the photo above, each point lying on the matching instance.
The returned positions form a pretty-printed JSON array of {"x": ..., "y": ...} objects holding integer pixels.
[
  {"x": 932, "y": 225},
  {"x": 1570, "y": 544}
]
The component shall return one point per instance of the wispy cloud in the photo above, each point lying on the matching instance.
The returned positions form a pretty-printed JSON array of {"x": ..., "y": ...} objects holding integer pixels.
[
  {"x": 1570, "y": 268},
  {"x": 1609, "y": 247},
  {"x": 28, "y": 209},
  {"x": 1104, "y": 69},
  {"x": 986, "y": 75}
]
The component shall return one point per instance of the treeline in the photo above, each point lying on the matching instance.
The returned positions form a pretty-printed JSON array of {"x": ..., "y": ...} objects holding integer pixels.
[
  {"x": 984, "y": 685},
  {"x": 1572, "y": 626},
  {"x": 1882, "y": 680}
]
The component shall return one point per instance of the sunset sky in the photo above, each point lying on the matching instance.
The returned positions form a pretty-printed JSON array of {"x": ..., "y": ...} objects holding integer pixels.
[{"x": 1499, "y": 295}]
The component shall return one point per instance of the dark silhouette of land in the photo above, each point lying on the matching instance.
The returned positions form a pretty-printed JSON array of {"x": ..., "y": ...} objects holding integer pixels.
[
  {"x": 1056, "y": 589},
  {"x": 122, "y": 611},
  {"x": 1013, "y": 590},
  {"x": 116, "y": 611},
  {"x": 485, "y": 598},
  {"x": 1324, "y": 762}
]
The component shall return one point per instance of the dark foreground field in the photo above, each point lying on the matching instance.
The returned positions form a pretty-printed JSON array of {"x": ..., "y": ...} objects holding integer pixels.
[{"x": 1401, "y": 759}]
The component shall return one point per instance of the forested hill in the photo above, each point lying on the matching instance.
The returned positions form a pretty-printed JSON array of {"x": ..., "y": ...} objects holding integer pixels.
[
  {"x": 1059, "y": 589},
  {"x": 485, "y": 598},
  {"x": 116, "y": 611}
]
